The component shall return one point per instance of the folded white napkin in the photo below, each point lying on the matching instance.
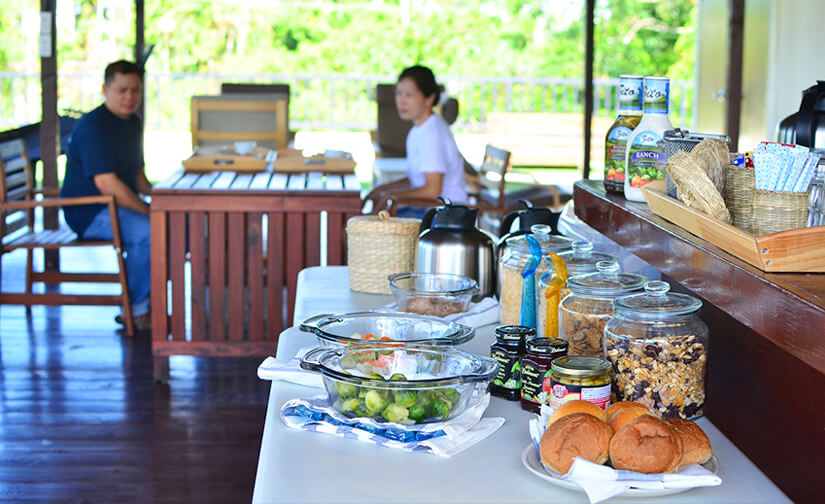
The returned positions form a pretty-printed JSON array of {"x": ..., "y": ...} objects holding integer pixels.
[
  {"x": 485, "y": 312},
  {"x": 275, "y": 370},
  {"x": 601, "y": 482},
  {"x": 441, "y": 438}
]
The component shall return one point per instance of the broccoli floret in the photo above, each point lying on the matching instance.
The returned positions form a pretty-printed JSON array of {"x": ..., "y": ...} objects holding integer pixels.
[
  {"x": 351, "y": 404},
  {"x": 405, "y": 398},
  {"x": 395, "y": 413},
  {"x": 346, "y": 390},
  {"x": 375, "y": 401},
  {"x": 418, "y": 412},
  {"x": 442, "y": 408}
]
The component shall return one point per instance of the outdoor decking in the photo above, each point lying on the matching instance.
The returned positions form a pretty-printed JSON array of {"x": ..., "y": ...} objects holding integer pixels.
[{"x": 82, "y": 419}]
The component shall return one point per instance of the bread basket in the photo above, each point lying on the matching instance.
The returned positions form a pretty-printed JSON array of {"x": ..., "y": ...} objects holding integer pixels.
[{"x": 377, "y": 247}]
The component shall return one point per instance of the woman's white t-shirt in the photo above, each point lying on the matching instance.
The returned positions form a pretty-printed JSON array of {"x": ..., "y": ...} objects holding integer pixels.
[{"x": 432, "y": 148}]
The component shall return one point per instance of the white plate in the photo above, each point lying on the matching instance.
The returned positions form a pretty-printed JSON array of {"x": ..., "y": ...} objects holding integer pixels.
[{"x": 530, "y": 459}]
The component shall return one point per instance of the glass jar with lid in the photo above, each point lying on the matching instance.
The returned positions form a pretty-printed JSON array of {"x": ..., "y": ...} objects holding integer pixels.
[
  {"x": 508, "y": 350},
  {"x": 580, "y": 377},
  {"x": 513, "y": 261},
  {"x": 585, "y": 311},
  {"x": 582, "y": 259},
  {"x": 658, "y": 347}
]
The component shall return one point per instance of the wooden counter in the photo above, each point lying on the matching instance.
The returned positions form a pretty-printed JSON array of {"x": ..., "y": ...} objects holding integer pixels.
[{"x": 766, "y": 371}]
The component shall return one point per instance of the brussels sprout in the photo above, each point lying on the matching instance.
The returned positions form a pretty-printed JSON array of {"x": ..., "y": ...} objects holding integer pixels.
[
  {"x": 395, "y": 413},
  {"x": 449, "y": 394},
  {"x": 361, "y": 410},
  {"x": 398, "y": 377},
  {"x": 375, "y": 401},
  {"x": 425, "y": 398},
  {"x": 351, "y": 404},
  {"x": 418, "y": 412},
  {"x": 375, "y": 376},
  {"x": 442, "y": 408},
  {"x": 346, "y": 390},
  {"x": 404, "y": 398}
]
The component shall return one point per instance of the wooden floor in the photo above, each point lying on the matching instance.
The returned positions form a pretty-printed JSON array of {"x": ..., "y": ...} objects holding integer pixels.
[{"x": 82, "y": 419}]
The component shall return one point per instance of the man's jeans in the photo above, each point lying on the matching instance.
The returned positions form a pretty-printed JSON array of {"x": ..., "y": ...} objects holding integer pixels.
[{"x": 134, "y": 233}]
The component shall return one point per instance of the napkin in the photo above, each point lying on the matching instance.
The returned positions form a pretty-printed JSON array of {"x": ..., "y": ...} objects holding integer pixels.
[
  {"x": 601, "y": 482},
  {"x": 275, "y": 370},
  {"x": 440, "y": 438},
  {"x": 485, "y": 312}
]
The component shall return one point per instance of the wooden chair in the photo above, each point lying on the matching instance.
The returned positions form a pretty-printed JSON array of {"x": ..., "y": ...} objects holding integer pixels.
[
  {"x": 278, "y": 88},
  {"x": 228, "y": 118},
  {"x": 18, "y": 200}
]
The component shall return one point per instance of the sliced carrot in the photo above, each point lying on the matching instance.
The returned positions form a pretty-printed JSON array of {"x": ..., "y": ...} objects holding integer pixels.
[{"x": 385, "y": 338}]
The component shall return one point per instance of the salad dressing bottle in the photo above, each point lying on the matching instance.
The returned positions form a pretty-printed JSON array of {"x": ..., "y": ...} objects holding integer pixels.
[
  {"x": 645, "y": 156},
  {"x": 630, "y": 112}
]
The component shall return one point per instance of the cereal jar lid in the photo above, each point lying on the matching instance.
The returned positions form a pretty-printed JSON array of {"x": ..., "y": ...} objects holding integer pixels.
[
  {"x": 548, "y": 242},
  {"x": 607, "y": 281},
  {"x": 581, "y": 259},
  {"x": 656, "y": 302},
  {"x": 580, "y": 365}
]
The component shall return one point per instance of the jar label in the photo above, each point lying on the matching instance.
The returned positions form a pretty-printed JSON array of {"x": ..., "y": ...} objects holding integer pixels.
[
  {"x": 561, "y": 393},
  {"x": 509, "y": 370},
  {"x": 647, "y": 160},
  {"x": 535, "y": 383},
  {"x": 614, "y": 160}
]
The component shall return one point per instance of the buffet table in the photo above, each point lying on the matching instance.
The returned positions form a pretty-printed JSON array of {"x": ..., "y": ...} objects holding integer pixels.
[
  {"x": 297, "y": 466},
  {"x": 766, "y": 370}
]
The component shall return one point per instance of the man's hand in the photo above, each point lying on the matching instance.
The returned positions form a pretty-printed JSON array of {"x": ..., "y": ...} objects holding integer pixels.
[
  {"x": 110, "y": 184},
  {"x": 143, "y": 184}
]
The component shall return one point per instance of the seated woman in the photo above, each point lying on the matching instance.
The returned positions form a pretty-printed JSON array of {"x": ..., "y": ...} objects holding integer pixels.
[{"x": 434, "y": 165}]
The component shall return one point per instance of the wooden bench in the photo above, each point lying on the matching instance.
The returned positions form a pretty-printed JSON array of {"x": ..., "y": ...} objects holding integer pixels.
[{"x": 547, "y": 139}]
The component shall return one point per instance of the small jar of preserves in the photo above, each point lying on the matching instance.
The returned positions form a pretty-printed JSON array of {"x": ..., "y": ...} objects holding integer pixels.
[
  {"x": 582, "y": 377},
  {"x": 508, "y": 350},
  {"x": 658, "y": 347},
  {"x": 535, "y": 371}
]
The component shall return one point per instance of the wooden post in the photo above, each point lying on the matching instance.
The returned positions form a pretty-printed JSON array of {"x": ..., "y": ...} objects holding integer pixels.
[
  {"x": 49, "y": 125},
  {"x": 140, "y": 45},
  {"x": 736, "y": 29},
  {"x": 588, "y": 83}
]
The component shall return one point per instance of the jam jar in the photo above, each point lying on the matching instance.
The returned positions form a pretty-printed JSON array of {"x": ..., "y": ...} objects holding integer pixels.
[
  {"x": 658, "y": 347},
  {"x": 535, "y": 371},
  {"x": 508, "y": 350},
  {"x": 585, "y": 311},
  {"x": 582, "y": 377},
  {"x": 512, "y": 263}
]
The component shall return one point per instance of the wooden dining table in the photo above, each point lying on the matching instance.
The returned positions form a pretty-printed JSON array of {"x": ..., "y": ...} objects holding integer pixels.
[{"x": 226, "y": 251}]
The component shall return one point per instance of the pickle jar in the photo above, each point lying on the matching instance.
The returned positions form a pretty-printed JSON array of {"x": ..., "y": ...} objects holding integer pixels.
[
  {"x": 580, "y": 377},
  {"x": 589, "y": 305},
  {"x": 581, "y": 259},
  {"x": 514, "y": 260},
  {"x": 658, "y": 347},
  {"x": 508, "y": 350}
]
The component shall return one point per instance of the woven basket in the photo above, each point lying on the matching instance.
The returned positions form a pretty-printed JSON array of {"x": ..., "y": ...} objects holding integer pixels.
[
  {"x": 739, "y": 195},
  {"x": 378, "y": 246},
  {"x": 778, "y": 211}
]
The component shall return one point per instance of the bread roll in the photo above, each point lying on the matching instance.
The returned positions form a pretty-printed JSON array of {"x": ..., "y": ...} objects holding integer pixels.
[
  {"x": 647, "y": 445},
  {"x": 618, "y": 406},
  {"x": 622, "y": 417},
  {"x": 696, "y": 447},
  {"x": 576, "y": 435},
  {"x": 577, "y": 406}
]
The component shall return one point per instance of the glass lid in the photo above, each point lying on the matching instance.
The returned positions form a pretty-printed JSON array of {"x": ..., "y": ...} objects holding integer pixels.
[
  {"x": 656, "y": 302},
  {"x": 542, "y": 233},
  {"x": 607, "y": 281},
  {"x": 582, "y": 259},
  {"x": 387, "y": 326}
]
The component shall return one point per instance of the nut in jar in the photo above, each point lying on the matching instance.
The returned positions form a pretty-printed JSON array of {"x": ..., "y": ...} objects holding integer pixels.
[{"x": 658, "y": 349}]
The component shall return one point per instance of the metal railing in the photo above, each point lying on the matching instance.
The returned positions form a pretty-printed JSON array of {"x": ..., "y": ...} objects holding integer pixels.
[{"x": 335, "y": 102}]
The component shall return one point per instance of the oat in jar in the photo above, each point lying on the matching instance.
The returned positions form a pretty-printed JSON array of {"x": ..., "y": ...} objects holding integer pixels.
[{"x": 580, "y": 377}]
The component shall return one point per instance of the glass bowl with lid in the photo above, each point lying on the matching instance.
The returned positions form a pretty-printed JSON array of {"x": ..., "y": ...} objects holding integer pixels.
[
  {"x": 584, "y": 312},
  {"x": 436, "y": 294},
  {"x": 412, "y": 384},
  {"x": 658, "y": 347},
  {"x": 396, "y": 327}
]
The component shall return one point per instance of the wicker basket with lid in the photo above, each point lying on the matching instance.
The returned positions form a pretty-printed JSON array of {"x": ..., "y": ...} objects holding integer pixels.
[{"x": 378, "y": 246}]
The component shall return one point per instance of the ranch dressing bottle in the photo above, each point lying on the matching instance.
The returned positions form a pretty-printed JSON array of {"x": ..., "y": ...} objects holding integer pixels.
[
  {"x": 645, "y": 156},
  {"x": 630, "y": 112}
]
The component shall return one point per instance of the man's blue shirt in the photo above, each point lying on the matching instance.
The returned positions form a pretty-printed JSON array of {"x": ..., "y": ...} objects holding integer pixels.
[{"x": 100, "y": 143}]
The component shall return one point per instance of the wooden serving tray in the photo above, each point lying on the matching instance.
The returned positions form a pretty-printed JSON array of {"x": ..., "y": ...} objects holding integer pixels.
[
  {"x": 794, "y": 251},
  {"x": 289, "y": 162},
  {"x": 205, "y": 160}
]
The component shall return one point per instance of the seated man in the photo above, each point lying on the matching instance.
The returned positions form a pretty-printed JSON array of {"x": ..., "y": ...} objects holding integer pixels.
[{"x": 105, "y": 156}]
